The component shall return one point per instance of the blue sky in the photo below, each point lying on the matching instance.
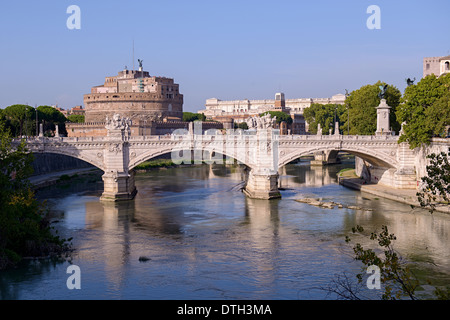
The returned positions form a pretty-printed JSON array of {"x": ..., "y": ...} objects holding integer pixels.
[{"x": 224, "y": 49}]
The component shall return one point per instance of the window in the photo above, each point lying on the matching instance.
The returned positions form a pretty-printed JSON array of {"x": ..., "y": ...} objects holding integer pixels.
[
  {"x": 428, "y": 66},
  {"x": 447, "y": 65}
]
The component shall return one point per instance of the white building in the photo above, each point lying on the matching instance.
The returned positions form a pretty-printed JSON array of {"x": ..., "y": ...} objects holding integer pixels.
[
  {"x": 239, "y": 109},
  {"x": 436, "y": 65}
]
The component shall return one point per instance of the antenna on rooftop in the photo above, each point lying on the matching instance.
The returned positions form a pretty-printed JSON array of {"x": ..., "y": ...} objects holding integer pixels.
[{"x": 133, "y": 54}]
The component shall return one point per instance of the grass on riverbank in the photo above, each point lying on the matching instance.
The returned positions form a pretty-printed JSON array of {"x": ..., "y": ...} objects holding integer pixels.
[
  {"x": 347, "y": 173},
  {"x": 157, "y": 163}
]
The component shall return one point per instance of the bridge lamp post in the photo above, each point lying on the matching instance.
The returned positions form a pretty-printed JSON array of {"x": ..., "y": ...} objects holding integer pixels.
[
  {"x": 37, "y": 125},
  {"x": 348, "y": 113},
  {"x": 334, "y": 123}
]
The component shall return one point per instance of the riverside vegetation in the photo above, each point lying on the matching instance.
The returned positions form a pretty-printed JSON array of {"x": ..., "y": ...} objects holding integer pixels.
[{"x": 25, "y": 229}]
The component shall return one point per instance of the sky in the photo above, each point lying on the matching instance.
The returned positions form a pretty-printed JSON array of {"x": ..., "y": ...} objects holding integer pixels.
[{"x": 247, "y": 49}]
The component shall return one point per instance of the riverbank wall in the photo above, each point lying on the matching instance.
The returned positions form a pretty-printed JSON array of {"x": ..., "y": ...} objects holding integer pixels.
[{"x": 406, "y": 196}]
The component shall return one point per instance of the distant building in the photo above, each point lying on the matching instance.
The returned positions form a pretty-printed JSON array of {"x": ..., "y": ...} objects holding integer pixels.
[
  {"x": 240, "y": 110},
  {"x": 136, "y": 95},
  {"x": 78, "y": 110},
  {"x": 153, "y": 104},
  {"x": 436, "y": 65},
  {"x": 63, "y": 111}
]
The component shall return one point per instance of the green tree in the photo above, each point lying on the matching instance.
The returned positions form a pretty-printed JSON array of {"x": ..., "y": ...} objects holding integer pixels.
[
  {"x": 324, "y": 114},
  {"x": 281, "y": 116},
  {"x": 76, "y": 118},
  {"x": 425, "y": 110},
  {"x": 436, "y": 184},
  {"x": 361, "y": 105},
  {"x": 242, "y": 125},
  {"x": 50, "y": 117},
  {"x": 395, "y": 275},
  {"x": 24, "y": 227},
  {"x": 190, "y": 117},
  {"x": 21, "y": 119}
]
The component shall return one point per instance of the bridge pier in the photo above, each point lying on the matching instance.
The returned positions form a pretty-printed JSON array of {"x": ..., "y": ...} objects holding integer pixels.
[
  {"x": 118, "y": 186},
  {"x": 323, "y": 158},
  {"x": 262, "y": 186}
]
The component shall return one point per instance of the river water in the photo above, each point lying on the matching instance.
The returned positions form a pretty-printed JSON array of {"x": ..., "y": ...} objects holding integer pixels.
[{"x": 205, "y": 240}]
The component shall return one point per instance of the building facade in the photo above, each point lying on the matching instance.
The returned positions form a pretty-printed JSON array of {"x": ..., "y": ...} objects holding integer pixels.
[
  {"x": 153, "y": 105},
  {"x": 136, "y": 95},
  {"x": 436, "y": 65},
  {"x": 240, "y": 110}
]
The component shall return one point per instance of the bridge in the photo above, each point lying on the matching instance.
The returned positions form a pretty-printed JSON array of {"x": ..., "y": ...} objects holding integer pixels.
[{"x": 262, "y": 151}]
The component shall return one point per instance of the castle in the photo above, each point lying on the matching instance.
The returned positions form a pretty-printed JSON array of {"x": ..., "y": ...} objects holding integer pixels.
[
  {"x": 436, "y": 65},
  {"x": 135, "y": 95},
  {"x": 154, "y": 105}
]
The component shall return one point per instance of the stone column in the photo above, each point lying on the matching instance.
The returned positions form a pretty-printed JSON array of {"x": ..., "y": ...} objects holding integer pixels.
[
  {"x": 262, "y": 186},
  {"x": 262, "y": 180},
  {"x": 320, "y": 159},
  {"x": 118, "y": 180},
  {"x": 118, "y": 186},
  {"x": 383, "y": 111}
]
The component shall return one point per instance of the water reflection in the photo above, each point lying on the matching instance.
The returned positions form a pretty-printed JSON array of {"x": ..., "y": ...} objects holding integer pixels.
[{"x": 205, "y": 240}]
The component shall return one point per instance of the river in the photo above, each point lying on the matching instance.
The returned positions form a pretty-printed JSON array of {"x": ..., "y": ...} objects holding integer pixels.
[{"x": 203, "y": 239}]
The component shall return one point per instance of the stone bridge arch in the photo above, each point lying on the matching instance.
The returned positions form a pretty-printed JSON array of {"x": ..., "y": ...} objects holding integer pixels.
[
  {"x": 385, "y": 159},
  {"x": 140, "y": 156},
  {"x": 91, "y": 153}
]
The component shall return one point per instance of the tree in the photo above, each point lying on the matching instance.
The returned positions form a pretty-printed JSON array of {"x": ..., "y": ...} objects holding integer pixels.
[
  {"x": 242, "y": 125},
  {"x": 395, "y": 275},
  {"x": 281, "y": 116},
  {"x": 190, "y": 117},
  {"x": 361, "y": 105},
  {"x": 21, "y": 118},
  {"x": 425, "y": 110},
  {"x": 324, "y": 114},
  {"x": 24, "y": 227},
  {"x": 76, "y": 118},
  {"x": 50, "y": 117},
  {"x": 436, "y": 184}
]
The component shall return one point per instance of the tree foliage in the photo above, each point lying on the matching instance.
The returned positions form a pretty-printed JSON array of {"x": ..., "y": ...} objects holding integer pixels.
[
  {"x": 395, "y": 276},
  {"x": 361, "y": 105},
  {"x": 190, "y": 117},
  {"x": 76, "y": 118},
  {"x": 20, "y": 119},
  {"x": 324, "y": 114},
  {"x": 436, "y": 184},
  {"x": 425, "y": 110},
  {"x": 242, "y": 125},
  {"x": 24, "y": 227},
  {"x": 281, "y": 116},
  {"x": 50, "y": 117}
]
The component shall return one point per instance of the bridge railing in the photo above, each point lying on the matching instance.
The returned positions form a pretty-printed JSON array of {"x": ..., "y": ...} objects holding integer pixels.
[
  {"x": 209, "y": 137},
  {"x": 338, "y": 138}
]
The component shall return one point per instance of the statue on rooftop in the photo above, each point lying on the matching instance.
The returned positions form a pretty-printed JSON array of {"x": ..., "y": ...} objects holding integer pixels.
[{"x": 382, "y": 94}]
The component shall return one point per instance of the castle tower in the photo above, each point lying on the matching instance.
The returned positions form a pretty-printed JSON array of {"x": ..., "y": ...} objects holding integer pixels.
[
  {"x": 136, "y": 95},
  {"x": 280, "y": 102}
]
